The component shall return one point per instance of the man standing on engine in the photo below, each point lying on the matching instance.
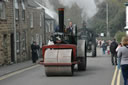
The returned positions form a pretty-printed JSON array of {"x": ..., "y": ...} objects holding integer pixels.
[{"x": 70, "y": 28}]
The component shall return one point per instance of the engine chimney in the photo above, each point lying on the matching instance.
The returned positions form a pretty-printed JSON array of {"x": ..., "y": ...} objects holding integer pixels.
[{"x": 61, "y": 19}]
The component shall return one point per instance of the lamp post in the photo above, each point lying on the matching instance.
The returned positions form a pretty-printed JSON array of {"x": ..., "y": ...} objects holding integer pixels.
[
  {"x": 108, "y": 34},
  {"x": 126, "y": 27},
  {"x": 44, "y": 26}
]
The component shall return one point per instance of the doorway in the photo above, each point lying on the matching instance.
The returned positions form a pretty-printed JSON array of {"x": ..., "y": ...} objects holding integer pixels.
[{"x": 12, "y": 48}]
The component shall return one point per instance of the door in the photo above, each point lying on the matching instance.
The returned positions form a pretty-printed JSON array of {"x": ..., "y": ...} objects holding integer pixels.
[{"x": 12, "y": 48}]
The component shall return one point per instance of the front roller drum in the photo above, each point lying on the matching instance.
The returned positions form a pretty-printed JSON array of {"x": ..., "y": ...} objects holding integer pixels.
[
  {"x": 59, "y": 70},
  {"x": 57, "y": 62}
]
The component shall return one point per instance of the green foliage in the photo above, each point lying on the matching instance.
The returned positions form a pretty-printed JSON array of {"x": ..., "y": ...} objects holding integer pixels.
[
  {"x": 119, "y": 36},
  {"x": 116, "y": 17}
]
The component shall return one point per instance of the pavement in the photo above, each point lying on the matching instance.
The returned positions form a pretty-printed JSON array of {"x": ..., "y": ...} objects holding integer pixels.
[{"x": 14, "y": 67}]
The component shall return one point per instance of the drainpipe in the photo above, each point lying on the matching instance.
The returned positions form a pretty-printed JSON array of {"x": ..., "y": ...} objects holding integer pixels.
[
  {"x": 14, "y": 26},
  {"x": 44, "y": 27},
  {"x": 126, "y": 27},
  {"x": 108, "y": 34}
]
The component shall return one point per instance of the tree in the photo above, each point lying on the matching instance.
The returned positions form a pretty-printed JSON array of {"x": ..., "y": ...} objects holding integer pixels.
[
  {"x": 116, "y": 17},
  {"x": 119, "y": 36}
]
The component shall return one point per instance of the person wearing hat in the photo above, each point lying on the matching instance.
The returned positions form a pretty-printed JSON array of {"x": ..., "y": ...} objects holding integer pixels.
[{"x": 34, "y": 52}]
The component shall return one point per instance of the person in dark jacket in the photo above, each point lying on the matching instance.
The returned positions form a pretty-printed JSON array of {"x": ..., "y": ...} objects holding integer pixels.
[
  {"x": 113, "y": 47},
  {"x": 57, "y": 28},
  {"x": 34, "y": 49}
]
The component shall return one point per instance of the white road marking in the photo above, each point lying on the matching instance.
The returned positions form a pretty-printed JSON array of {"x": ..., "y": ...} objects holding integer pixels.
[{"x": 17, "y": 72}]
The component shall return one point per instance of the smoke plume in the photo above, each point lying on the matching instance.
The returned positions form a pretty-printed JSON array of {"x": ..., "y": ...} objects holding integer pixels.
[{"x": 88, "y": 7}]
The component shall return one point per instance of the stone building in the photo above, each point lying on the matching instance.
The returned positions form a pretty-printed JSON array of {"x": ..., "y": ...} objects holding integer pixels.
[
  {"x": 6, "y": 31},
  {"x": 28, "y": 22},
  {"x": 36, "y": 26},
  {"x": 48, "y": 23}
]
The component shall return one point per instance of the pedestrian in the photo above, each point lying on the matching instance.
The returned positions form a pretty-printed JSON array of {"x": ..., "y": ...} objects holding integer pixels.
[
  {"x": 34, "y": 52},
  {"x": 57, "y": 28},
  {"x": 123, "y": 59},
  {"x": 113, "y": 47},
  {"x": 104, "y": 47},
  {"x": 108, "y": 50},
  {"x": 100, "y": 42},
  {"x": 120, "y": 45}
]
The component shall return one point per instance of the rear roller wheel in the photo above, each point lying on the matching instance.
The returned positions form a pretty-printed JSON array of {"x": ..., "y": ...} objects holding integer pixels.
[
  {"x": 82, "y": 64},
  {"x": 93, "y": 50},
  {"x": 81, "y": 55}
]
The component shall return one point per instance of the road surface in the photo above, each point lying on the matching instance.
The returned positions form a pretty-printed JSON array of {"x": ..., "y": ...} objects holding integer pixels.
[{"x": 99, "y": 72}]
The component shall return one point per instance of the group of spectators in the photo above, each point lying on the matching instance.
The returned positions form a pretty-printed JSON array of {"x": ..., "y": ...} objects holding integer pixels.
[
  {"x": 105, "y": 45},
  {"x": 119, "y": 54}
]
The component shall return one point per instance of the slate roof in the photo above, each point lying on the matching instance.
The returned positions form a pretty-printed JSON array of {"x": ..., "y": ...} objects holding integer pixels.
[{"x": 32, "y": 3}]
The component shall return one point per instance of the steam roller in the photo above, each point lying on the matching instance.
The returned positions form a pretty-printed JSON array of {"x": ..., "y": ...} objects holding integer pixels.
[{"x": 60, "y": 57}]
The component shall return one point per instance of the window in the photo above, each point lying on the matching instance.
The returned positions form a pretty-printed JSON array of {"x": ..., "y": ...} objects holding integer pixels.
[
  {"x": 37, "y": 38},
  {"x": 16, "y": 10},
  {"x": 32, "y": 39},
  {"x": 23, "y": 40},
  {"x": 46, "y": 28},
  {"x": 41, "y": 41},
  {"x": 31, "y": 20},
  {"x": 5, "y": 40},
  {"x": 17, "y": 42},
  {"x": 23, "y": 14},
  {"x": 23, "y": 5},
  {"x": 16, "y": 5},
  {"x": 23, "y": 9},
  {"x": 40, "y": 20},
  {"x": 2, "y": 10},
  {"x": 49, "y": 27},
  {"x": 17, "y": 14}
]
